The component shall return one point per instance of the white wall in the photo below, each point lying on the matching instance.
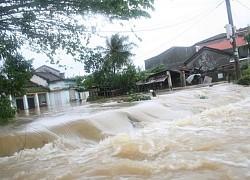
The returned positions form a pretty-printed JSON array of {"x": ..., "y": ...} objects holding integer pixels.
[
  {"x": 59, "y": 98},
  {"x": 61, "y": 85}
]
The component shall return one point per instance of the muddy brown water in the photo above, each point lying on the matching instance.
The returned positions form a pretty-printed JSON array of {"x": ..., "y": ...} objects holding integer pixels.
[{"x": 201, "y": 133}]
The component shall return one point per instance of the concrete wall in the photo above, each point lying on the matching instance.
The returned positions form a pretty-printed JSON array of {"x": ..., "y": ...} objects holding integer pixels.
[{"x": 209, "y": 60}]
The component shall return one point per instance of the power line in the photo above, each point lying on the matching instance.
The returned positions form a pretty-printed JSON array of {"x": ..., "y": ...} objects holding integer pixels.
[
  {"x": 189, "y": 27},
  {"x": 243, "y": 4},
  {"x": 156, "y": 28},
  {"x": 204, "y": 11}
]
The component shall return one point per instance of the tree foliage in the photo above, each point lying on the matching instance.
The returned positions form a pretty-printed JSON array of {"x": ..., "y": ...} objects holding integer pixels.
[
  {"x": 6, "y": 111},
  {"x": 117, "y": 52},
  {"x": 48, "y": 25},
  {"x": 124, "y": 81},
  {"x": 14, "y": 74}
]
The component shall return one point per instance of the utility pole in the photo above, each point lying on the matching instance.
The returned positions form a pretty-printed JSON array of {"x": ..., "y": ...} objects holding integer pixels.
[{"x": 235, "y": 49}]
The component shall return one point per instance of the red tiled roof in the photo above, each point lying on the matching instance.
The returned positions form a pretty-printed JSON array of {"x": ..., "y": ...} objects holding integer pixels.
[{"x": 226, "y": 44}]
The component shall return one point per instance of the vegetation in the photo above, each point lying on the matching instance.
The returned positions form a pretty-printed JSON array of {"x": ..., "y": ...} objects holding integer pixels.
[
  {"x": 144, "y": 75},
  {"x": 6, "y": 110},
  {"x": 14, "y": 73},
  {"x": 245, "y": 80},
  {"x": 125, "y": 80},
  {"x": 117, "y": 53},
  {"x": 136, "y": 97},
  {"x": 49, "y": 26}
]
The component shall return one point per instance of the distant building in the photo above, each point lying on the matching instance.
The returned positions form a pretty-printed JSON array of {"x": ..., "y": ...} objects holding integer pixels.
[
  {"x": 207, "y": 56},
  {"x": 221, "y": 42},
  {"x": 47, "y": 87}
]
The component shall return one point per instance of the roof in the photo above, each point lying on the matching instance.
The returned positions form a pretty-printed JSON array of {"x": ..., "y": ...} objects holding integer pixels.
[
  {"x": 45, "y": 67},
  {"x": 208, "y": 49},
  {"x": 171, "y": 58},
  {"x": 211, "y": 39},
  {"x": 152, "y": 80},
  {"x": 33, "y": 87},
  {"x": 226, "y": 44},
  {"x": 48, "y": 76},
  {"x": 221, "y": 42}
]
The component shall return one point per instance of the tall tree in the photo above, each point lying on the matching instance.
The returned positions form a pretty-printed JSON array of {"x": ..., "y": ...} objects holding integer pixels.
[{"x": 117, "y": 52}]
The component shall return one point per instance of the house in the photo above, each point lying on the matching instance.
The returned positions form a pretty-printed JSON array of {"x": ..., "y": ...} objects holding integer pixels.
[
  {"x": 161, "y": 80},
  {"x": 209, "y": 62},
  {"x": 221, "y": 42},
  {"x": 171, "y": 58},
  {"x": 47, "y": 87}
]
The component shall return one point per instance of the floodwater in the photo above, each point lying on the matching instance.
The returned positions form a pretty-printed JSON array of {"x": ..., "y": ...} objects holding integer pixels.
[{"x": 201, "y": 133}]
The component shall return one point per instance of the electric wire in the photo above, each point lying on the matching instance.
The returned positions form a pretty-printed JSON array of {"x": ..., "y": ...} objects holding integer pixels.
[
  {"x": 185, "y": 30},
  {"x": 156, "y": 28},
  {"x": 243, "y": 4}
]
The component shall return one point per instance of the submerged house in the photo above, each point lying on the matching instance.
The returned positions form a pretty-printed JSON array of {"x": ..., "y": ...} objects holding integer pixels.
[{"x": 47, "y": 87}]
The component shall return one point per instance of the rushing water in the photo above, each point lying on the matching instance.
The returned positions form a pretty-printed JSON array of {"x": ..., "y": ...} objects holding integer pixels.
[{"x": 199, "y": 133}]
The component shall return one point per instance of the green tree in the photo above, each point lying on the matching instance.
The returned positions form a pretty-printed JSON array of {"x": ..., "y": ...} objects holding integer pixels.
[
  {"x": 117, "y": 52},
  {"x": 14, "y": 74},
  {"x": 48, "y": 25},
  {"x": 94, "y": 62}
]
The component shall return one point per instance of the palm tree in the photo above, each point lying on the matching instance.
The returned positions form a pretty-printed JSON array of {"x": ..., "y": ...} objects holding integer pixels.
[{"x": 117, "y": 52}]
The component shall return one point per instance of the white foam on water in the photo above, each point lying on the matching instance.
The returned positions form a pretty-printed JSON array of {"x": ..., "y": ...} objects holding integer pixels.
[{"x": 196, "y": 133}]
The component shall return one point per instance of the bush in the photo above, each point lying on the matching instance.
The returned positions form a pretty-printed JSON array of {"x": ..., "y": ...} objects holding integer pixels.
[
  {"x": 136, "y": 97},
  {"x": 246, "y": 72},
  {"x": 6, "y": 111},
  {"x": 245, "y": 80}
]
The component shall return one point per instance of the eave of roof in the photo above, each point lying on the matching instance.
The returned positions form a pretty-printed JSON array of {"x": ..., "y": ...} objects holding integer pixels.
[{"x": 48, "y": 76}]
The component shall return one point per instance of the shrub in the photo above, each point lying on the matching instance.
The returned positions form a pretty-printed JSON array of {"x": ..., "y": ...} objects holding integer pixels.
[
  {"x": 136, "y": 97},
  {"x": 246, "y": 72},
  {"x": 245, "y": 80}
]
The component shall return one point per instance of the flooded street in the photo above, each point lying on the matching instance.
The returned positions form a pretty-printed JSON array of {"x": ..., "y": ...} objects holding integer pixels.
[{"x": 201, "y": 133}]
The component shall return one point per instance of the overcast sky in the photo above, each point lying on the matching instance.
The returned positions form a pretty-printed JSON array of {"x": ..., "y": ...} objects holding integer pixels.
[{"x": 173, "y": 23}]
